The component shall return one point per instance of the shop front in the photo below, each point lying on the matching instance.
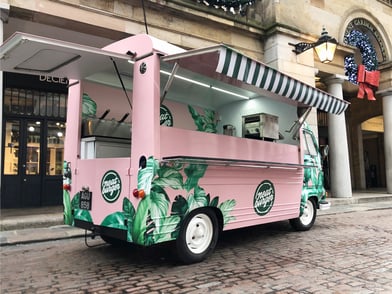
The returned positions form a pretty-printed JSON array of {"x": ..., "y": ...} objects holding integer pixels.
[{"x": 34, "y": 114}]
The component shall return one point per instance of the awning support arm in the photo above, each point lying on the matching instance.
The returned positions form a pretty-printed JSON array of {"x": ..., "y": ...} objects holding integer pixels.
[
  {"x": 121, "y": 81},
  {"x": 298, "y": 123},
  {"x": 169, "y": 81}
]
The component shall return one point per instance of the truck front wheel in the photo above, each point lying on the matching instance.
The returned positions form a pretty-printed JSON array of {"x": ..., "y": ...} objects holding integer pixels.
[
  {"x": 308, "y": 217},
  {"x": 198, "y": 236}
]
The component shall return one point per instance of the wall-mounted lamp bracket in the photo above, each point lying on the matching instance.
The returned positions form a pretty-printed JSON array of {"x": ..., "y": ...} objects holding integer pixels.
[{"x": 302, "y": 47}]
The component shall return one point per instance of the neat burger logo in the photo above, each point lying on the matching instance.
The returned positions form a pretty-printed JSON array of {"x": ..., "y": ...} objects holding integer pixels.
[
  {"x": 166, "y": 118},
  {"x": 264, "y": 197},
  {"x": 111, "y": 186}
]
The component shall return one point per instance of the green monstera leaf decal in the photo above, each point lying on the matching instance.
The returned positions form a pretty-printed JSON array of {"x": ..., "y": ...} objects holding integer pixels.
[
  {"x": 169, "y": 176},
  {"x": 68, "y": 217},
  {"x": 204, "y": 123},
  {"x": 156, "y": 219},
  {"x": 73, "y": 205},
  {"x": 146, "y": 175},
  {"x": 198, "y": 198},
  {"x": 80, "y": 214},
  {"x": 115, "y": 220},
  {"x": 180, "y": 206},
  {"x": 152, "y": 208},
  {"x": 226, "y": 207},
  {"x": 194, "y": 172}
]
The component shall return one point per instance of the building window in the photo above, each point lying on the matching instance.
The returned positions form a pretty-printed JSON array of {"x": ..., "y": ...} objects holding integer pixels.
[{"x": 32, "y": 102}]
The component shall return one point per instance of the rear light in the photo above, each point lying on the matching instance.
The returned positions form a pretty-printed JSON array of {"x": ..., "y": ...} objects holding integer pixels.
[
  {"x": 138, "y": 193},
  {"x": 67, "y": 176}
]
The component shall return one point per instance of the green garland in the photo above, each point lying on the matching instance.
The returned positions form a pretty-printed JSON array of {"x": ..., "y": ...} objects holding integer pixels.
[{"x": 234, "y": 6}]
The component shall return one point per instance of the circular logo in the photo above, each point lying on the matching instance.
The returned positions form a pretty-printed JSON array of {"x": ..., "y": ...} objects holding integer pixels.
[
  {"x": 264, "y": 197},
  {"x": 166, "y": 116},
  {"x": 111, "y": 186}
]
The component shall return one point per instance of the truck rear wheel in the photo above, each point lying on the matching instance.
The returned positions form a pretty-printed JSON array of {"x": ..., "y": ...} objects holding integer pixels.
[
  {"x": 308, "y": 217},
  {"x": 198, "y": 236}
]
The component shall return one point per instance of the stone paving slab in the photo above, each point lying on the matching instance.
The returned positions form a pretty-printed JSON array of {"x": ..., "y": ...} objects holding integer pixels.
[
  {"x": 24, "y": 236},
  {"x": 349, "y": 253},
  {"x": 43, "y": 225}
]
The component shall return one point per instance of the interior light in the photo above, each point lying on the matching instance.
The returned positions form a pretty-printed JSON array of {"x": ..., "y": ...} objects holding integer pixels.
[
  {"x": 205, "y": 85},
  {"x": 228, "y": 92}
]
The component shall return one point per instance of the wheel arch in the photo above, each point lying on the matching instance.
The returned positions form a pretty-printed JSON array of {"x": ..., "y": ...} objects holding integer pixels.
[
  {"x": 216, "y": 211},
  {"x": 315, "y": 199},
  {"x": 219, "y": 216}
]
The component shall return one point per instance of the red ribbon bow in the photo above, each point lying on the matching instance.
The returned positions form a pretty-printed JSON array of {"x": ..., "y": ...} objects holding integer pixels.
[{"x": 367, "y": 80}]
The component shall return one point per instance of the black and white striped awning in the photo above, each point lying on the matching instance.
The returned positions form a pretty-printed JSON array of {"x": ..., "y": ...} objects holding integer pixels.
[
  {"x": 225, "y": 61},
  {"x": 247, "y": 70}
]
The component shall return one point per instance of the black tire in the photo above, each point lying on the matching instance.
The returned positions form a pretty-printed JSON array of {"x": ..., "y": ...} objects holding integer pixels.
[
  {"x": 306, "y": 220},
  {"x": 198, "y": 236}
]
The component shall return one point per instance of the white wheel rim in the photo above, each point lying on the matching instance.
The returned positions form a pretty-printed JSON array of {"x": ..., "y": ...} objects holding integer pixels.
[
  {"x": 307, "y": 216},
  {"x": 199, "y": 233}
]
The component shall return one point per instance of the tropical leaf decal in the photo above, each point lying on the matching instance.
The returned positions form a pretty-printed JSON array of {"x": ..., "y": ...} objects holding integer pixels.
[
  {"x": 194, "y": 172},
  {"x": 156, "y": 219},
  {"x": 167, "y": 228},
  {"x": 115, "y": 220},
  {"x": 159, "y": 203},
  {"x": 169, "y": 176},
  {"x": 150, "y": 227},
  {"x": 129, "y": 215},
  {"x": 83, "y": 215},
  {"x": 214, "y": 202},
  {"x": 204, "y": 123},
  {"x": 198, "y": 199},
  {"x": 226, "y": 207},
  {"x": 146, "y": 175},
  {"x": 179, "y": 206},
  {"x": 79, "y": 214},
  {"x": 68, "y": 217}
]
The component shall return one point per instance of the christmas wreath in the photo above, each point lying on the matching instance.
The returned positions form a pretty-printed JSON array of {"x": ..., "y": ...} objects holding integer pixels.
[{"x": 365, "y": 75}]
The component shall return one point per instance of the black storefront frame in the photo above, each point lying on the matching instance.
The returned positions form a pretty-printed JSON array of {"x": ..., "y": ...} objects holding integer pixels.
[{"x": 47, "y": 188}]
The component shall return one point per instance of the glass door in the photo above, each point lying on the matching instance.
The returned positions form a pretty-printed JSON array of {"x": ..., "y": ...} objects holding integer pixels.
[{"x": 22, "y": 163}]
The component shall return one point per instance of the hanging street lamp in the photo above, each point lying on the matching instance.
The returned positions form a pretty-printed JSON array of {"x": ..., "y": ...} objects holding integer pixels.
[{"x": 325, "y": 47}]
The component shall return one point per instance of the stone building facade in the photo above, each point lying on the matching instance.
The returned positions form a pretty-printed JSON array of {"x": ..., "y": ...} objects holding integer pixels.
[{"x": 360, "y": 141}]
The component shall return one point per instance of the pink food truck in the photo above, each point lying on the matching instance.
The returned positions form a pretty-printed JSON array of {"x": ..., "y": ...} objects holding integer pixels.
[{"x": 166, "y": 144}]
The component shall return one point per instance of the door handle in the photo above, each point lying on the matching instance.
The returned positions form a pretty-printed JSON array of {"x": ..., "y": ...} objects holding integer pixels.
[{"x": 25, "y": 180}]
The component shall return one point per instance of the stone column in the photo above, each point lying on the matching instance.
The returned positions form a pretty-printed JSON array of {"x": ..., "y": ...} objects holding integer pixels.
[
  {"x": 338, "y": 147},
  {"x": 4, "y": 11},
  {"x": 361, "y": 158},
  {"x": 387, "y": 112}
]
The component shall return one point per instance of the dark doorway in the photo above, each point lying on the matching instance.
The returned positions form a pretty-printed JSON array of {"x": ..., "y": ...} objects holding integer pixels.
[{"x": 373, "y": 146}]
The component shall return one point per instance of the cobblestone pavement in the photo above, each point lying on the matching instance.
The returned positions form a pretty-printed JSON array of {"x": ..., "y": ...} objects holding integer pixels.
[{"x": 343, "y": 253}]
